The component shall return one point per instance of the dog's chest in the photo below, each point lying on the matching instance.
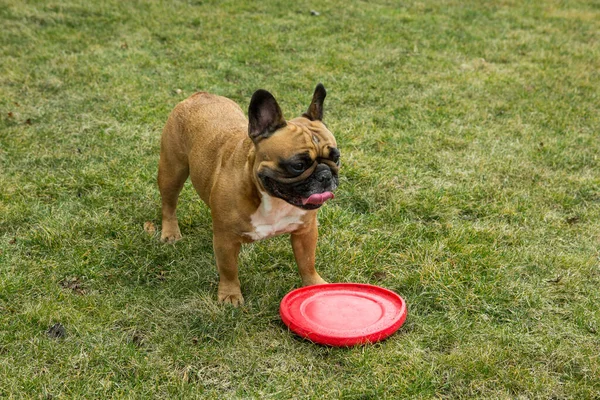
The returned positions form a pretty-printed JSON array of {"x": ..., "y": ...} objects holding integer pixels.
[{"x": 273, "y": 217}]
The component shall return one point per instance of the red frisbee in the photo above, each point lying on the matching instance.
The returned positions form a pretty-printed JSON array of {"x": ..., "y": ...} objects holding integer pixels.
[{"x": 343, "y": 314}]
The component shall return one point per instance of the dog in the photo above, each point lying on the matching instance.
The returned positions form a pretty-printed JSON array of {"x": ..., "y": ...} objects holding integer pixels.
[{"x": 260, "y": 177}]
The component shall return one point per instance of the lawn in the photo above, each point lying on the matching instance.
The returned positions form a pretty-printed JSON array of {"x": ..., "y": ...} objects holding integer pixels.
[{"x": 469, "y": 185}]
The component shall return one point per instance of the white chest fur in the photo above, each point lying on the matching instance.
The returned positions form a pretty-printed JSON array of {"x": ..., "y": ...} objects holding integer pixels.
[{"x": 273, "y": 217}]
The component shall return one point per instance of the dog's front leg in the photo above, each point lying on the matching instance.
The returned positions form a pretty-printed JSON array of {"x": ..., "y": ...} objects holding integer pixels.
[
  {"x": 227, "y": 250},
  {"x": 304, "y": 244}
]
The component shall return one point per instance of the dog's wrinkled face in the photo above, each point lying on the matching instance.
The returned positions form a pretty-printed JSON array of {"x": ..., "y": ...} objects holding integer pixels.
[
  {"x": 295, "y": 160},
  {"x": 299, "y": 163}
]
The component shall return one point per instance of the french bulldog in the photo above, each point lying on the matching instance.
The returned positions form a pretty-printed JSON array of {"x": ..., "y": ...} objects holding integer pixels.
[{"x": 260, "y": 177}]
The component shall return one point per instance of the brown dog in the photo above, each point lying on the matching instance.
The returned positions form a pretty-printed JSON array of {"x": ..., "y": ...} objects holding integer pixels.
[{"x": 260, "y": 177}]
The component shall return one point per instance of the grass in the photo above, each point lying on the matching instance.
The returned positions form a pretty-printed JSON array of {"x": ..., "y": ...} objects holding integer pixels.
[{"x": 469, "y": 185}]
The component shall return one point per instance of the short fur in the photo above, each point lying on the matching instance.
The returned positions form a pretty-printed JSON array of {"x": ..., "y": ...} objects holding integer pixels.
[{"x": 238, "y": 167}]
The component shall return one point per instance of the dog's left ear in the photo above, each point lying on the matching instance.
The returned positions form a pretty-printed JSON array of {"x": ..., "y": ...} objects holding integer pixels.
[
  {"x": 264, "y": 116},
  {"x": 315, "y": 110}
]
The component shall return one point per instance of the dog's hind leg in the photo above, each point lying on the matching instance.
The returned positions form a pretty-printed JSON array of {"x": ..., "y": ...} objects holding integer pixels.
[
  {"x": 173, "y": 170},
  {"x": 171, "y": 178}
]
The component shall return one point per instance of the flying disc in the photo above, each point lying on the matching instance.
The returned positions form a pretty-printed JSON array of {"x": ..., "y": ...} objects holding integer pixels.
[{"x": 343, "y": 314}]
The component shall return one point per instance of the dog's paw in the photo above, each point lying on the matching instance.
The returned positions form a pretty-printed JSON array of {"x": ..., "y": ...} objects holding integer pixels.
[
  {"x": 313, "y": 280},
  {"x": 170, "y": 237},
  {"x": 231, "y": 296},
  {"x": 170, "y": 231},
  {"x": 233, "y": 299}
]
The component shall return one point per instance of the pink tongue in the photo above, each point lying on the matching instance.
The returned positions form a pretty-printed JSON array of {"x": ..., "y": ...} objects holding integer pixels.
[{"x": 318, "y": 198}]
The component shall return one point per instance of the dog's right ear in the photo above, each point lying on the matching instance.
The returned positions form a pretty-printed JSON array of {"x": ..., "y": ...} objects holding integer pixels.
[
  {"x": 315, "y": 110},
  {"x": 264, "y": 116}
]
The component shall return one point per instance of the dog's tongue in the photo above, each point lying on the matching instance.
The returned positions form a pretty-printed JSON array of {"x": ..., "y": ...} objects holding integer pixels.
[{"x": 318, "y": 198}]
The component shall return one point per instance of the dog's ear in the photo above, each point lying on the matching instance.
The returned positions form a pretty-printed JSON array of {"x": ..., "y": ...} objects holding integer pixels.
[
  {"x": 315, "y": 110},
  {"x": 264, "y": 116}
]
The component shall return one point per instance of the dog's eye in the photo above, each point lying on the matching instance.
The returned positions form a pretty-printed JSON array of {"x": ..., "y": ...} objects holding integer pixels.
[{"x": 297, "y": 167}]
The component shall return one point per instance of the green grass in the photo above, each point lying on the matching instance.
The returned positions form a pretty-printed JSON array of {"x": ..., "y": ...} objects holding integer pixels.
[{"x": 469, "y": 185}]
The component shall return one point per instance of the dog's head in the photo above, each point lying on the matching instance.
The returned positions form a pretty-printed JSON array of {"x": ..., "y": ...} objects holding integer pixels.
[{"x": 296, "y": 160}]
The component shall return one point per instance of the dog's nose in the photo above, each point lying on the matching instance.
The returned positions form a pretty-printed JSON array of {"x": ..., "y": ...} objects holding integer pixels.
[{"x": 324, "y": 176}]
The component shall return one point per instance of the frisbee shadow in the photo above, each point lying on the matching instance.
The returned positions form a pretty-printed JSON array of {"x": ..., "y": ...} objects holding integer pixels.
[{"x": 376, "y": 344}]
